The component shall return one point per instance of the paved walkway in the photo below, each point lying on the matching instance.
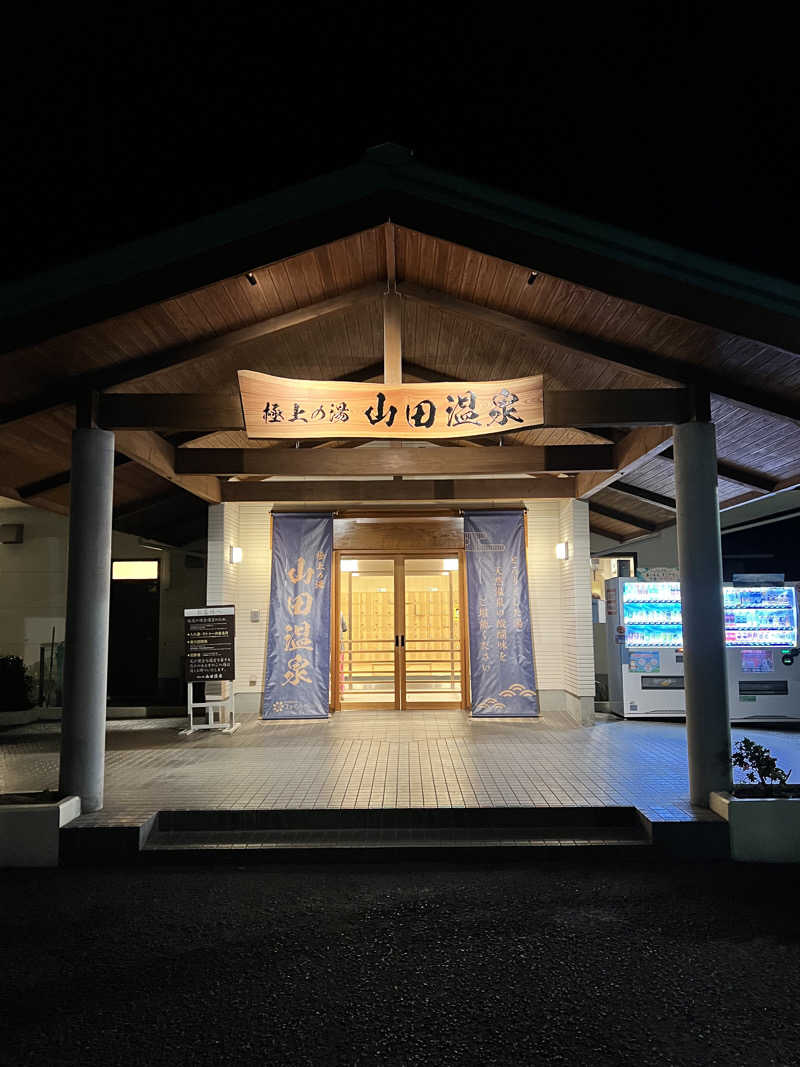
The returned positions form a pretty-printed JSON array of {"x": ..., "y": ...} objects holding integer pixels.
[{"x": 381, "y": 759}]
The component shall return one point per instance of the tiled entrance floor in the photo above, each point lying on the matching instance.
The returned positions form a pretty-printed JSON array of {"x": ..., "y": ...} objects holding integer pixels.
[{"x": 380, "y": 759}]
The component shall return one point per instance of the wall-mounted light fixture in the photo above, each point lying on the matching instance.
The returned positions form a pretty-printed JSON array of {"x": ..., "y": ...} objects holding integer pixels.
[
  {"x": 562, "y": 550},
  {"x": 236, "y": 554}
]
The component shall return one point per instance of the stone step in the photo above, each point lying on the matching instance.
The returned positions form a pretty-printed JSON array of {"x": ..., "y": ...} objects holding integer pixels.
[
  {"x": 234, "y": 845},
  {"x": 369, "y": 831},
  {"x": 525, "y": 822},
  {"x": 382, "y": 833}
]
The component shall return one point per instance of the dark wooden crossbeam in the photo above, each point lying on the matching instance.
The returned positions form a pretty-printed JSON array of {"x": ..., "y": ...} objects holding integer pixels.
[
  {"x": 211, "y": 412},
  {"x": 56, "y": 481},
  {"x": 622, "y": 516},
  {"x": 425, "y": 491},
  {"x": 616, "y": 407},
  {"x": 605, "y": 533},
  {"x": 170, "y": 411},
  {"x": 377, "y": 462},
  {"x": 742, "y": 475},
  {"x": 644, "y": 494}
]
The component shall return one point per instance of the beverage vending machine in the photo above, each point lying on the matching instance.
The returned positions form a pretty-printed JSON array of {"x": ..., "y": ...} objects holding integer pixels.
[{"x": 645, "y": 651}]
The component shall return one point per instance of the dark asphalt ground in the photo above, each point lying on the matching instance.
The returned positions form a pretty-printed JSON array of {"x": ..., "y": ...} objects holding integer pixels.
[{"x": 574, "y": 960}]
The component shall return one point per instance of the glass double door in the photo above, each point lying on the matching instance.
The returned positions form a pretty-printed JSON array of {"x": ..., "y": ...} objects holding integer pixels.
[{"x": 399, "y": 626}]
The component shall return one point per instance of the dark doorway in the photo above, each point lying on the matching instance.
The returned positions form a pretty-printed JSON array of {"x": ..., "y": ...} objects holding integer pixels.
[{"x": 133, "y": 633}]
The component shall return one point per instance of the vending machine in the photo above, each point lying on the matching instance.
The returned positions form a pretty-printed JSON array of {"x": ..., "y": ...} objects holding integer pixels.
[{"x": 645, "y": 651}]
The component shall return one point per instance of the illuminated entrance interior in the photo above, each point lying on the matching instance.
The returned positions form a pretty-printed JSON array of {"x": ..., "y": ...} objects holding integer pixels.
[{"x": 400, "y": 632}]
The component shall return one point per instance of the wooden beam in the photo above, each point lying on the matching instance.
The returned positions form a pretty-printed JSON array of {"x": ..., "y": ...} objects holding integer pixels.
[
  {"x": 639, "y": 359},
  {"x": 742, "y": 475},
  {"x": 211, "y": 412},
  {"x": 622, "y": 516},
  {"x": 741, "y": 498},
  {"x": 204, "y": 412},
  {"x": 376, "y": 462},
  {"x": 69, "y": 389},
  {"x": 157, "y": 455},
  {"x": 792, "y": 482},
  {"x": 616, "y": 407},
  {"x": 411, "y": 372},
  {"x": 43, "y": 502},
  {"x": 56, "y": 481},
  {"x": 392, "y": 315},
  {"x": 391, "y": 256},
  {"x": 658, "y": 499},
  {"x": 605, "y": 533},
  {"x": 411, "y": 492},
  {"x": 392, "y": 339},
  {"x": 635, "y": 449}
]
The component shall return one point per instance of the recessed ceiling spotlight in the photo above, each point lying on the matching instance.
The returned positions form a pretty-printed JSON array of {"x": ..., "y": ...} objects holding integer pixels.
[
  {"x": 534, "y": 274},
  {"x": 251, "y": 277}
]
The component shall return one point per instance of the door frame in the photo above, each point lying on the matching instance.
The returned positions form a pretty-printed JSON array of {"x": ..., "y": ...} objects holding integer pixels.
[{"x": 399, "y": 559}]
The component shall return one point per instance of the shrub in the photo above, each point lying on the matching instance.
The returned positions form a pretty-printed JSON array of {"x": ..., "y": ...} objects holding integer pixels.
[
  {"x": 758, "y": 763},
  {"x": 16, "y": 685}
]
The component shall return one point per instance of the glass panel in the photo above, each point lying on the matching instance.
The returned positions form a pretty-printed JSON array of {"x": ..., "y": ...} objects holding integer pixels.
[
  {"x": 755, "y": 616},
  {"x": 367, "y": 655},
  {"x": 433, "y": 632},
  {"x": 134, "y": 570}
]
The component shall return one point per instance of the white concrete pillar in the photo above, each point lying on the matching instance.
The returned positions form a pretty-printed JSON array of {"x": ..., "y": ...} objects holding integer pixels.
[
  {"x": 708, "y": 734},
  {"x": 83, "y": 728}
]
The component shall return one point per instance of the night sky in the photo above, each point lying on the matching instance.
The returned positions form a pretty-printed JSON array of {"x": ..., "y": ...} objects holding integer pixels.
[{"x": 664, "y": 120}]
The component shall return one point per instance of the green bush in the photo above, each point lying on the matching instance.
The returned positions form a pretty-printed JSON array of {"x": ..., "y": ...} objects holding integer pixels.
[
  {"x": 758, "y": 763},
  {"x": 16, "y": 685}
]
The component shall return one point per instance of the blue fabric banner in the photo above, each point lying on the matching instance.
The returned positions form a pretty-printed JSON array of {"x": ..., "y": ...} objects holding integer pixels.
[
  {"x": 299, "y": 642},
  {"x": 500, "y": 648}
]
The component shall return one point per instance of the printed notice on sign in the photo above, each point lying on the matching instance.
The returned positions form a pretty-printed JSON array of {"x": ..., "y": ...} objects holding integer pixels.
[{"x": 209, "y": 637}]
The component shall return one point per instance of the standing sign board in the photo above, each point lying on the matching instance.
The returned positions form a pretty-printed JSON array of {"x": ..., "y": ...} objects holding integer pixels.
[
  {"x": 210, "y": 657},
  {"x": 209, "y": 643}
]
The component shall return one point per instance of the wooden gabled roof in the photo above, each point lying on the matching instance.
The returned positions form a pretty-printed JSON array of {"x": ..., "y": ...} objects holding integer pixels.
[{"x": 467, "y": 313}]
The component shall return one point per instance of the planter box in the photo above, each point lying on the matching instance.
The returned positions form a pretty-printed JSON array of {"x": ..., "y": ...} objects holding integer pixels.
[
  {"x": 762, "y": 829},
  {"x": 19, "y": 718},
  {"x": 29, "y": 832}
]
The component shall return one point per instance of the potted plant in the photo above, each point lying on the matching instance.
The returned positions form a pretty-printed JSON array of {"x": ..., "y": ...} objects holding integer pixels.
[
  {"x": 763, "y": 812},
  {"x": 16, "y": 685}
]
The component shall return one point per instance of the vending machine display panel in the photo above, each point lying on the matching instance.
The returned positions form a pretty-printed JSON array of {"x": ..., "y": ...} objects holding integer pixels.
[{"x": 755, "y": 617}]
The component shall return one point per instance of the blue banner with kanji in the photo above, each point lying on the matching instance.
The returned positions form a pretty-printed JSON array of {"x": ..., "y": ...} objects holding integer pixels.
[
  {"x": 297, "y": 679},
  {"x": 500, "y": 647}
]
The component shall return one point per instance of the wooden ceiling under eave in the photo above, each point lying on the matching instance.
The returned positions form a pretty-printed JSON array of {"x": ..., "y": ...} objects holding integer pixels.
[{"x": 448, "y": 287}]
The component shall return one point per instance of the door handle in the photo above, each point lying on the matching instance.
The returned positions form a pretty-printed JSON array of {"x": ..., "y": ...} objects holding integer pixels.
[
  {"x": 396, "y": 641},
  {"x": 402, "y": 640}
]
